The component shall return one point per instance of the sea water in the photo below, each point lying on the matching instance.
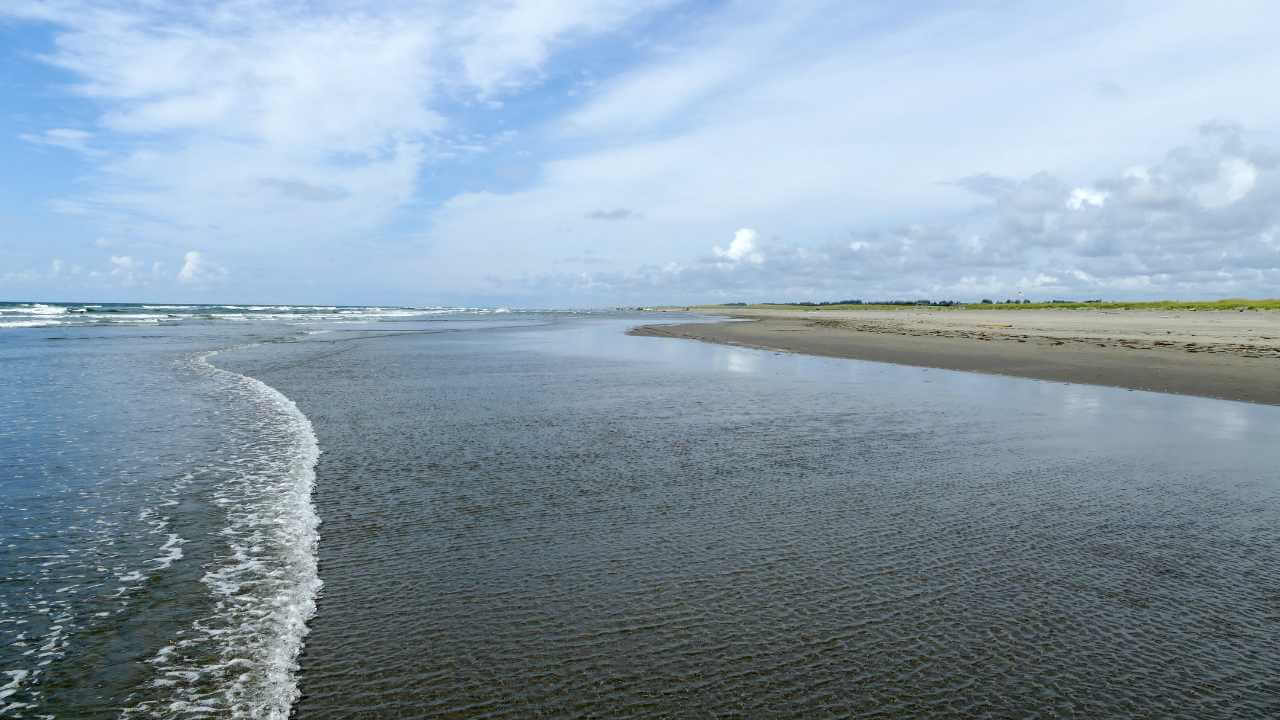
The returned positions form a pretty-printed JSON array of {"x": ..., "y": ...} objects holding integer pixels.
[
  {"x": 564, "y": 521},
  {"x": 157, "y": 536},
  {"x": 535, "y": 515}
]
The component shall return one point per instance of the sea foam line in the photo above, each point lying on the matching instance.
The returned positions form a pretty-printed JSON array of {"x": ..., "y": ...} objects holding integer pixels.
[
  {"x": 293, "y": 604},
  {"x": 264, "y": 585}
]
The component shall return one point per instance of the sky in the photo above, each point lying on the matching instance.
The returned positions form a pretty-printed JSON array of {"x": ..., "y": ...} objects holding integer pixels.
[{"x": 590, "y": 153}]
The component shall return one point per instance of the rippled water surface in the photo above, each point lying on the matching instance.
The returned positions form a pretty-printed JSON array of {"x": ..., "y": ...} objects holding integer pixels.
[
  {"x": 157, "y": 535},
  {"x": 563, "y": 521}
]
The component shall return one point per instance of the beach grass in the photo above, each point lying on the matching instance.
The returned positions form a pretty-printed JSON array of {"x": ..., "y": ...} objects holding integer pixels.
[
  {"x": 1227, "y": 304},
  {"x": 1191, "y": 305}
]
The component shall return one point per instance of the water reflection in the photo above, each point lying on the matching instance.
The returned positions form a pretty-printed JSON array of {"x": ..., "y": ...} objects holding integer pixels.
[
  {"x": 1139, "y": 414},
  {"x": 741, "y": 361},
  {"x": 1079, "y": 402},
  {"x": 1222, "y": 420}
]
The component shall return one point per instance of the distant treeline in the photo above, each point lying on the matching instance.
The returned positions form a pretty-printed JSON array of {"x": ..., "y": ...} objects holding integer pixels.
[
  {"x": 1023, "y": 304},
  {"x": 928, "y": 303},
  {"x": 931, "y": 303}
]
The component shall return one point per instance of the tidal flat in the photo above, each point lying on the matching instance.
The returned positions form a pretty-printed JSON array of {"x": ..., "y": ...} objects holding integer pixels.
[{"x": 1233, "y": 355}]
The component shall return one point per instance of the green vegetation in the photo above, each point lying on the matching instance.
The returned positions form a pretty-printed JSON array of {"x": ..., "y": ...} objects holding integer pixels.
[{"x": 1228, "y": 304}]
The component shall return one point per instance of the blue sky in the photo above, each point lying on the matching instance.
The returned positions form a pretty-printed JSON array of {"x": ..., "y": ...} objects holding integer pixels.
[{"x": 591, "y": 153}]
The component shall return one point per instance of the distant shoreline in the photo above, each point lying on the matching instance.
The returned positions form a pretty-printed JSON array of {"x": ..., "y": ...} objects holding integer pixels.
[{"x": 1228, "y": 355}]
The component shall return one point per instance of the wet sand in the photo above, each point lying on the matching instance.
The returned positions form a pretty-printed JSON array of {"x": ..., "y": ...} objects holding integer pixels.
[{"x": 1226, "y": 355}]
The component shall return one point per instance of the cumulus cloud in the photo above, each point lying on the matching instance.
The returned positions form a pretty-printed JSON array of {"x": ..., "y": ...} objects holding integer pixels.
[
  {"x": 375, "y": 138},
  {"x": 749, "y": 114},
  {"x": 1082, "y": 197},
  {"x": 120, "y": 271},
  {"x": 1147, "y": 232},
  {"x": 1234, "y": 179},
  {"x": 196, "y": 269},
  {"x": 190, "y": 267},
  {"x": 124, "y": 270},
  {"x": 743, "y": 248},
  {"x": 30, "y": 275}
]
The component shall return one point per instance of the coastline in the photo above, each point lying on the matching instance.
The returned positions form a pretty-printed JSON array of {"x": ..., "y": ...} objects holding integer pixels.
[{"x": 1222, "y": 355}]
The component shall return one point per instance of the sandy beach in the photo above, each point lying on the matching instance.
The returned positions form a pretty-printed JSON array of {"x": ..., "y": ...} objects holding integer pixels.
[{"x": 1228, "y": 355}]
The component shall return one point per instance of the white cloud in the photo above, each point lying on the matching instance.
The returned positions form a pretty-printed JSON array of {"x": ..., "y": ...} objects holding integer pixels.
[
  {"x": 343, "y": 84},
  {"x": 221, "y": 103},
  {"x": 30, "y": 275},
  {"x": 197, "y": 270},
  {"x": 744, "y": 247},
  {"x": 841, "y": 118},
  {"x": 1234, "y": 179},
  {"x": 1150, "y": 237},
  {"x": 649, "y": 97},
  {"x": 124, "y": 269},
  {"x": 1082, "y": 197},
  {"x": 261, "y": 126},
  {"x": 190, "y": 267},
  {"x": 275, "y": 134},
  {"x": 500, "y": 45},
  {"x": 66, "y": 138}
]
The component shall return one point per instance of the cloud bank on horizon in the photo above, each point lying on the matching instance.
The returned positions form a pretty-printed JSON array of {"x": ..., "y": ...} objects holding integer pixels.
[{"x": 598, "y": 152}]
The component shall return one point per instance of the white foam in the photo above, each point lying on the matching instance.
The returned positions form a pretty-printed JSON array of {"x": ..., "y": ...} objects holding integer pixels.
[
  {"x": 172, "y": 550},
  {"x": 34, "y": 309},
  {"x": 31, "y": 315},
  {"x": 42, "y": 309},
  {"x": 121, "y": 317},
  {"x": 264, "y": 587}
]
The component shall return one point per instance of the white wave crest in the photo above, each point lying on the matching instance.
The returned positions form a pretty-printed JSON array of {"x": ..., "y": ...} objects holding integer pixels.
[
  {"x": 34, "y": 309},
  {"x": 25, "y": 323}
]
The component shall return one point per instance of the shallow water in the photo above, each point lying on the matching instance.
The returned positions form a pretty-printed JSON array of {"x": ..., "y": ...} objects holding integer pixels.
[
  {"x": 535, "y": 515},
  {"x": 562, "y": 521},
  {"x": 157, "y": 537}
]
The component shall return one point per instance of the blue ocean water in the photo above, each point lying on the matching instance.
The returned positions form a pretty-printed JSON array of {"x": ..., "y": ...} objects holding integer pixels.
[
  {"x": 157, "y": 539},
  {"x": 389, "y": 512}
]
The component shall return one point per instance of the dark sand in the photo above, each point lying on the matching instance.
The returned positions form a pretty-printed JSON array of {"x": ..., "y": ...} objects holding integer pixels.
[{"x": 1233, "y": 356}]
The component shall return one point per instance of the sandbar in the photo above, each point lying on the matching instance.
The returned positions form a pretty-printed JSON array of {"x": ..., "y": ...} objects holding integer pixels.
[{"x": 1228, "y": 355}]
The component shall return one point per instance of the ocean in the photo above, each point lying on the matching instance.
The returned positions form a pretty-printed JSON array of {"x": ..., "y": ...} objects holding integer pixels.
[{"x": 338, "y": 512}]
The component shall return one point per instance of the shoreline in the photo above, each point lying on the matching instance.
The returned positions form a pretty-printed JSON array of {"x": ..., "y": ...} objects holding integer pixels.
[{"x": 1221, "y": 355}]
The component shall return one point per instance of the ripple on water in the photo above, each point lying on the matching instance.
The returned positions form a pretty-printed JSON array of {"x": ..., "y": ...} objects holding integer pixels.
[{"x": 513, "y": 535}]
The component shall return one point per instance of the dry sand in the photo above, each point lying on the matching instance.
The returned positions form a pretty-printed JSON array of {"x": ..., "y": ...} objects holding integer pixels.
[{"x": 1221, "y": 354}]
